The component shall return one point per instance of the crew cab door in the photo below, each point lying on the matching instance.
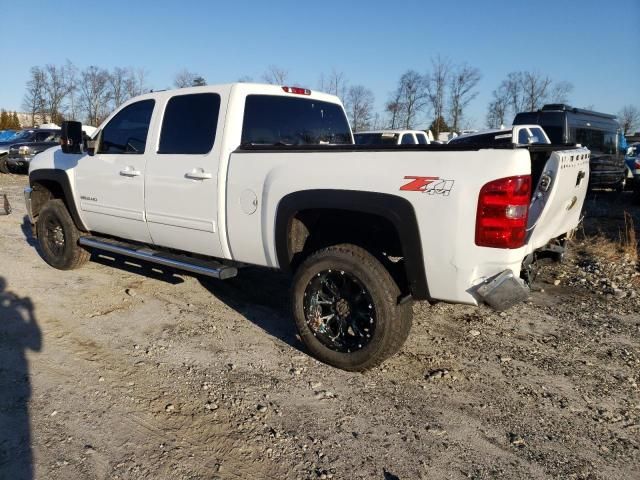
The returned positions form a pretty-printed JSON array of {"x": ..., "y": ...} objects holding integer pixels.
[
  {"x": 182, "y": 179},
  {"x": 110, "y": 183}
]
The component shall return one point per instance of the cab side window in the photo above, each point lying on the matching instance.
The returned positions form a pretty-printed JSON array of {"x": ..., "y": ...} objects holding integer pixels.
[
  {"x": 407, "y": 139},
  {"x": 189, "y": 124},
  {"x": 523, "y": 137},
  {"x": 126, "y": 133},
  {"x": 422, "y": 138}
]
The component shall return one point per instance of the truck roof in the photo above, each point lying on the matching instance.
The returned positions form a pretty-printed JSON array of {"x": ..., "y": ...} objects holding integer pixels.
[
  {"x": 247, "y": 89},
  {"x": 392, "y": 131}
]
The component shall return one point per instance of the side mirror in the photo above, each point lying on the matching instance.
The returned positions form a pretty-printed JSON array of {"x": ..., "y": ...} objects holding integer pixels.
[{"x": 71, "y": 138}]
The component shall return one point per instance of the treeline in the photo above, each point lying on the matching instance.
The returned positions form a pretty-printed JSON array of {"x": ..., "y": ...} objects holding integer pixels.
[
  {"x": 439, "y": 96},
  {"x": 56, "y": 92},
  {"x": 9, "y": 120}
]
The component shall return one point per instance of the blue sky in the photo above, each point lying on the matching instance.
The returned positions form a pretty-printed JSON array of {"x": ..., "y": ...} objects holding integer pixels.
[{"x": 593, "y": 44}]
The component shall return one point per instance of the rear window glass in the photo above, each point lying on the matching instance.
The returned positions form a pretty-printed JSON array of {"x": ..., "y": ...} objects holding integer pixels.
[
  {"x": 376, "y": 138},
  {"x": 407, "y": 139},
  {"x": 189, "y": 124},
  {"x": 422, "y": 138},
  {"x": 279, "y": 120},
  {"x": 538, "y": 135},
  {"x": 523, "y": 137}
]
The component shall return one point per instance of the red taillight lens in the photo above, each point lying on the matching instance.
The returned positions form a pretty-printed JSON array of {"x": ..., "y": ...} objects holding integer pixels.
[
  {"x": 297, "y": 90},
  {"x": 503, "y": 210},
  {"x": 637, "y": 163}
]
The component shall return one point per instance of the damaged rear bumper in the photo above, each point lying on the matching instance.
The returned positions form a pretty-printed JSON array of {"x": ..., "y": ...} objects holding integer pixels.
[{"x": 503, "y": 291}]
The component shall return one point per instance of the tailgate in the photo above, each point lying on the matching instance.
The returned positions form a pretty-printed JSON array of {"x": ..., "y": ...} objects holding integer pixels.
[{"x": 558, "y": 198}]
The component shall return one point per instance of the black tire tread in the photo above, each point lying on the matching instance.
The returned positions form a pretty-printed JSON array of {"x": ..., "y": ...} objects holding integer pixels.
[
  {"x": 402, "y": 313},
  {"x": 78, "y": 255}
]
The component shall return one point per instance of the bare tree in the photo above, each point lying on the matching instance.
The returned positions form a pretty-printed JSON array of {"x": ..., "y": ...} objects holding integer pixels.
[
  {"x": 413, "y": 96},
  {"x": 498, "y": 109},
  {"x": 535, "y": 88},
  {"x": 184, "y": 78},
  {"x": 118, "y": 86},
  {"x": 57, "y": 88},
  {"x": 560, "y": 92},
  {"x": 394, "y": 108},
  {"x": 95, "y": 94},
  {"x": 275, "y": 75},
  {"x": 359, "y": 106},
  {"x": 436, "y": 85},
  {"x": 463, "y": 81},
  {"x": 629, "y": 118},
  {"x": 34, "y": 98},
  {"x": 334, "y": 83},
  {"x": 136, "y": 82}
]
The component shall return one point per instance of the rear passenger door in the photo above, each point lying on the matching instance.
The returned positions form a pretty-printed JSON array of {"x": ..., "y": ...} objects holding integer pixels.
[{"x": 181, "y": 180}]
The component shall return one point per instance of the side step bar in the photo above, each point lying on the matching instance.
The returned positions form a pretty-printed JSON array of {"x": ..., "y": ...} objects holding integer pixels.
[{"x": 180, "y": 262}]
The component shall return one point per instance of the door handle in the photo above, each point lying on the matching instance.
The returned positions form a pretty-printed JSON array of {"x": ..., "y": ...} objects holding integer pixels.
[
  {"x": 198, "y": 174},
  {"x": 130, "y": 172}
]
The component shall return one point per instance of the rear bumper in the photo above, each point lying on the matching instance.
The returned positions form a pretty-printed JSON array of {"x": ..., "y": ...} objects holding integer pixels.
[{"x": 503, "y": 291}]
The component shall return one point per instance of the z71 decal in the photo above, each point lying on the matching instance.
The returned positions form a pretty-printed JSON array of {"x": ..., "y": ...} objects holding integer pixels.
[{"x": 430, "y": 185}]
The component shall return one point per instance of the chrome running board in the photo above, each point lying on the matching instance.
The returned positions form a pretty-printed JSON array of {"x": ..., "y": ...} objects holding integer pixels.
[{"x": 179, "y": 262}]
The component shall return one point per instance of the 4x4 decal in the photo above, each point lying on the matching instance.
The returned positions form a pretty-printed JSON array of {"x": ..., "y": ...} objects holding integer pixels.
[{"x": 430, "y": 185}]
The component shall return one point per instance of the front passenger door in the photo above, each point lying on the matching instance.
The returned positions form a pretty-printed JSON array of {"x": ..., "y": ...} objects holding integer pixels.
[{"x": 110, "y": 184}]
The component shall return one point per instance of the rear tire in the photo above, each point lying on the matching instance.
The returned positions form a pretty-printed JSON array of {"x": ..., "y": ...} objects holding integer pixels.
[
  {"x": 345, "y": 305},
  {"x": 58, "y": 237}
]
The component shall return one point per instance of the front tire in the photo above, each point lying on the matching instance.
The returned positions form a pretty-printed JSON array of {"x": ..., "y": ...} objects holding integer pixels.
[
  {"x": 58, "y": 237},
  {"x": 345, "y": 305},
  {"x": 4, "y": 168}
]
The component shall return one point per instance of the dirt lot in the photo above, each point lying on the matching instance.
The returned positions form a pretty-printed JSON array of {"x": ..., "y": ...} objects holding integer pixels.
[{"x": 122, "y": 371}]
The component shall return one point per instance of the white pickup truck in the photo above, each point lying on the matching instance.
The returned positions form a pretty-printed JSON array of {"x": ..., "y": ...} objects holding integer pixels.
[{"x": 210, "y": 179}]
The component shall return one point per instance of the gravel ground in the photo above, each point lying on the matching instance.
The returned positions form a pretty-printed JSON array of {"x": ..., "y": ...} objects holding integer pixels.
[{"x": 124, "y": 371}]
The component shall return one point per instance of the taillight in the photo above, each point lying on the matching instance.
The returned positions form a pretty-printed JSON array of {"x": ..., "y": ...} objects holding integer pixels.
[
  {"x": 637, "y": 162},
  {"x": 503, "y": 209},
  {"x": 297, "y": 90}
]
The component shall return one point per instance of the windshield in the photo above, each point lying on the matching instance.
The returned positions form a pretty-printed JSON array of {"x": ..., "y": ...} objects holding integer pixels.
[
  {"x": 23, "y": 135},
  {"x": 280, "y": 120},
  {"x": 376, "y": 138}
]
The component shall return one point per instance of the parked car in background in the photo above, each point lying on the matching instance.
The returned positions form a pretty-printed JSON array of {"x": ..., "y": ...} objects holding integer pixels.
[
  {"x": 6, "y": 134},
  {"x": 518, "y": 135},
  {"x": 391, "y": 137},
  {"x": 20, "y": 154},
  {"x": 594, "y": 130},
  {"x": 23, "y": 137},
  {"x": 632, "y": 160}
]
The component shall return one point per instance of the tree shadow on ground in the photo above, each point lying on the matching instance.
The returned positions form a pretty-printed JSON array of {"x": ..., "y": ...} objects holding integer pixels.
[{"x": 19, "y": 332}]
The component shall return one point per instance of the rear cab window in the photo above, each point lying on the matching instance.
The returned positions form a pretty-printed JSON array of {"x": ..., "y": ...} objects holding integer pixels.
[
  {"x": 280, "y": 120},
  {"x": 407, "y": 139},
  {"x": 422, "y": 138}
]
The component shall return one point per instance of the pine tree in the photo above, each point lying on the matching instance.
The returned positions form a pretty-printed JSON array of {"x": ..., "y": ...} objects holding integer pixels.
[
  {"x": 438, "y": 126},
  {"x": 4, "y": 119},
  {"x": 15, "y": 121}
]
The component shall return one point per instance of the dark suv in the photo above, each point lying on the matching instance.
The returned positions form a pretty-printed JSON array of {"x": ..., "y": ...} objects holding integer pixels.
[{"x": 599, "y": 132}]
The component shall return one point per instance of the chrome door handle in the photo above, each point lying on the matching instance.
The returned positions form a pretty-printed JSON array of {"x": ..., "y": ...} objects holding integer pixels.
[
  {"x": 130, "y": 172},
  {"x": 198, "y": 174}
]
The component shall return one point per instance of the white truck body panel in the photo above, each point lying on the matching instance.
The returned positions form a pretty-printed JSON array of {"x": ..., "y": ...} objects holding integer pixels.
[{"x": 232, "y": 214}]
